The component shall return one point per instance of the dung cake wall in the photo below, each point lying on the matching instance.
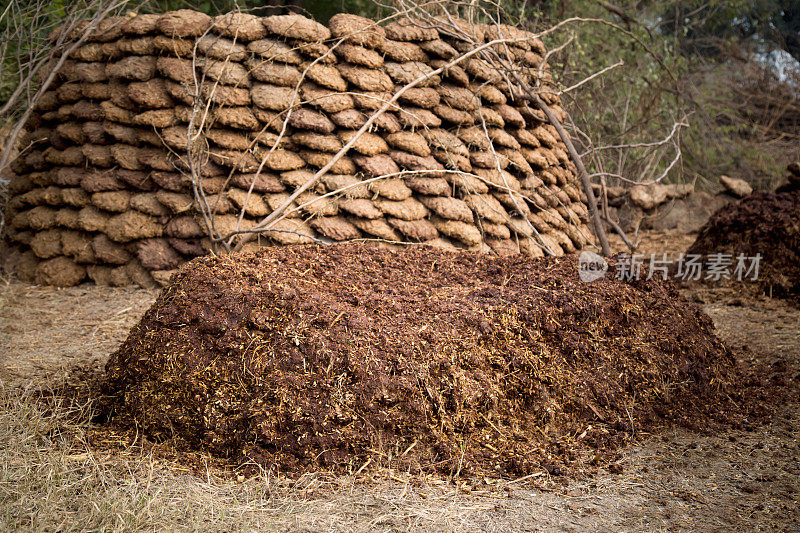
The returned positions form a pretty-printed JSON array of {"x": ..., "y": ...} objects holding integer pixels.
[{"x": 252, "y": 108}]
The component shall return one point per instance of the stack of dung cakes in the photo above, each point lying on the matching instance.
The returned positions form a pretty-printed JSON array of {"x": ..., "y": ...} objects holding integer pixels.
[{"x": 165, "y": 134}]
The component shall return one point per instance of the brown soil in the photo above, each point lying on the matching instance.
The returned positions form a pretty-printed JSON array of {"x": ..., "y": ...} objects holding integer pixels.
[
  {"x": 670, "y": 242},
  {"x": 46, "y": 331},
  {"x": 763, "y": 223},
  {"x": 446, "y": 362}
]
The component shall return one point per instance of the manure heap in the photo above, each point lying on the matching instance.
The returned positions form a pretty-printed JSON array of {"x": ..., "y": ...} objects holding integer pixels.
[
  {"x": 326, "y": 357},
  {"x": 105, "y": 186},
  {"x": 764, "y": 223}
]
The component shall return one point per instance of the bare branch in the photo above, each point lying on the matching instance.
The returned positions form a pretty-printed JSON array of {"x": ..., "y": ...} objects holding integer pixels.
[{"x": 26, "y": 84}]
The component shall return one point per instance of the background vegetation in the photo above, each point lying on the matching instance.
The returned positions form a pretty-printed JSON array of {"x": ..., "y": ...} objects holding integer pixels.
[{"x": 730, "y": 67}]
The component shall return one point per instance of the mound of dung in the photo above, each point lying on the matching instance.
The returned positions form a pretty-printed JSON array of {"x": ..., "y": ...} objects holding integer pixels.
[
  {"x": 315, "y": 358},
  {"x": 763, "y": 223}
]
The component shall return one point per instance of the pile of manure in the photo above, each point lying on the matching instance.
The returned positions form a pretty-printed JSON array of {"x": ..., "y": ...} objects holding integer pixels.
[
  {"x": 309, "y": 358},
  {"x": 763, "y": 223}
]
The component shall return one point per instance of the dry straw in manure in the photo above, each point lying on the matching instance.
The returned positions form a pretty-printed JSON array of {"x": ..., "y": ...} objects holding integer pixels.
[
  {"x": 764, "y": 224},
  {"x": 330, "y": 357}
]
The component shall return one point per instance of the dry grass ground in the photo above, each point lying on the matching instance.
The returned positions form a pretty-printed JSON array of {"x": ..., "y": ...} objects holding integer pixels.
[
  {"x": 51, "y": 479},
  {"x": 670, "y": 242}
]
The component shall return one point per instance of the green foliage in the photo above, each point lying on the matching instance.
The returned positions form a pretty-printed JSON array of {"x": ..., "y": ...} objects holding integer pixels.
[
  {"x": 742, "y": 117},
  {"x": 701, "y": 25},
  {"x": 637, "y": 102}
]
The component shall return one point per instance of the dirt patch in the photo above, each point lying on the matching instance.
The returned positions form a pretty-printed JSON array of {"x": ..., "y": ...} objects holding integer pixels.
[
  {"x": 439, "y": 361},
  {"x": 764, "y": 223},
  {"x": 46, "y": 331},
  {"x": 673, "y": 243}
]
